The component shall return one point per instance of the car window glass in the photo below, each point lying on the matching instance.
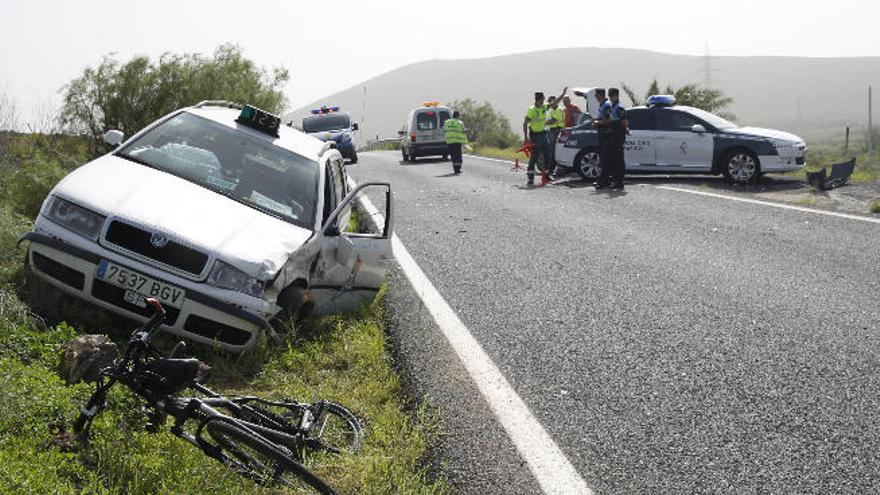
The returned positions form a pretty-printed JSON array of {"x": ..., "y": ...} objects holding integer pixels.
[
  {"x": 329, "y": 200},
  {"x": 326, "y": 122},
  {"x": 673, "y": 120},
  {"x": 426, "y": 121},
  {"x": 338, "y": 180},
  {"x": 234, "y": 163},
  {"x": 444, "y": 116},
  {"x": 640, "y": 120}
]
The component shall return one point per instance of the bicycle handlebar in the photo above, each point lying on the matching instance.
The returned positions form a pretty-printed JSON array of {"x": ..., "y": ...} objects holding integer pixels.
[{"x": 152, "y": 325}]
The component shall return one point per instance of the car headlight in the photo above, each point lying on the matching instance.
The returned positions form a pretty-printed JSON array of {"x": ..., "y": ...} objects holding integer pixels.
[
  {"x": 74, "y": 217},
  {"x": 226, "y": 276}
]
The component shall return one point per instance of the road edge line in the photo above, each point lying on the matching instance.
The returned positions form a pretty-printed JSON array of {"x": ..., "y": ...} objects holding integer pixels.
[{"x": 548, "y": 464}]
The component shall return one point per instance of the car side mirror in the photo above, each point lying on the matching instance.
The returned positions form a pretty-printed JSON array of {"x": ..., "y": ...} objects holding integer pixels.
[
  {"x": 699, "y": 129},
  {"x": 113, "y": 137},
  {"x": 354, "y": 126}
]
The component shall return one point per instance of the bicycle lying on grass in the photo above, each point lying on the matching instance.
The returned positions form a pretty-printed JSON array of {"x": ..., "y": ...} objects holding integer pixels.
[{"x": 261, "y": 439}]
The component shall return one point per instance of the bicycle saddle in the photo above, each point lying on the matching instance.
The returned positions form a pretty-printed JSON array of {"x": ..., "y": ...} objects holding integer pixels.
[{"x": 169, "y": 375}]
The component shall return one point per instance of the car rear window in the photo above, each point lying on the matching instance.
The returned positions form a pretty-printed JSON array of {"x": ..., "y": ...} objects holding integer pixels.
[{"x": 426, "y": 121}]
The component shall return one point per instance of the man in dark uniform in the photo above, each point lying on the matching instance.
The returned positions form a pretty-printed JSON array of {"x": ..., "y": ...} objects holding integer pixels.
[
  {"x": 534, "y": 131},
  {"x": 619, "y": 126},
  {"x": 603, "y": 129}
]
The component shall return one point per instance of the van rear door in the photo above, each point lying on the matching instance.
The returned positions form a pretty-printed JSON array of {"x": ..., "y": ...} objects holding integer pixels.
[{"x": 427, "y": 127}]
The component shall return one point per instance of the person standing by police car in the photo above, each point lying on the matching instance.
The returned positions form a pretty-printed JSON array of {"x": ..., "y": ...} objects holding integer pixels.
[
  {"x": 555, "y": 124},
  {"x": 454, "y": 131},
  {"x": 602, "y": 123},
  {"x": 534, "y": 132},
  {"x": 619, "y": 128}
]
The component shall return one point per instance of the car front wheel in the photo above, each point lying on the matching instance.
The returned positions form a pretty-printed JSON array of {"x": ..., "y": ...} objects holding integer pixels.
[
  {"x": 587, "y": 164},
  {"x": 741, "y": 167}
]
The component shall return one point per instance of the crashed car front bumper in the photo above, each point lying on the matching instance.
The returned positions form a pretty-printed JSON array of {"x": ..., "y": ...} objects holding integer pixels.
[{"x": 202, "y": 317}]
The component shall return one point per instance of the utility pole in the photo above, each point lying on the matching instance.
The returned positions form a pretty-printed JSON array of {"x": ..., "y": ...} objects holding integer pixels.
[
  {"x": 870, "y": 123},
  {"x": 363, "y": 116}
]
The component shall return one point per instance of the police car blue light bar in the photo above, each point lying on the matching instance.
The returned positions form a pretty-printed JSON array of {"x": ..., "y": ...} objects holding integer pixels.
[
  {"x": 321, "y": 110},
  {"x": 660, "y": 101}
]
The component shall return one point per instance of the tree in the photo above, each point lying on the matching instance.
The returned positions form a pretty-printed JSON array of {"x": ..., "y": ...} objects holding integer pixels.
[
  {"x": 708, "y": 99},
  {"x": 484, "y": 125},
  {"x": 128, "y": 96},
  {"x": 8, "y": 113}
]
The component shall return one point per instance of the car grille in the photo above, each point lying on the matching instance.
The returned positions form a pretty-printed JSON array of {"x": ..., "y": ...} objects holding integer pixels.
[
  {"x": 173, "y": 254},
  {"x": 116, "y": 296},
  {"x": 216, "y": 330}
]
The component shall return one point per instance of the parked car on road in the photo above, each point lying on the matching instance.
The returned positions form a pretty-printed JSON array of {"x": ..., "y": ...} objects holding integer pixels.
[
  {"x": 332, "y": 125},
  {"x": 422, "y": 134},
  {"x": 226, "y": 217},
  {"x": 668, "y": 138}
]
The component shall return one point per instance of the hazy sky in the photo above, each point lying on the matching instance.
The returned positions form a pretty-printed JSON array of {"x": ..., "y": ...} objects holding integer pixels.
[{"x": 329, "y": 46}]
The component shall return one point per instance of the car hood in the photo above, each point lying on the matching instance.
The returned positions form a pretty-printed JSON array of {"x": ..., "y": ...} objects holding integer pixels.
[
  {"x": 765, "y": 133},
  {"x": 253, "y": 242},
  {"x": 328, "y": 135}
]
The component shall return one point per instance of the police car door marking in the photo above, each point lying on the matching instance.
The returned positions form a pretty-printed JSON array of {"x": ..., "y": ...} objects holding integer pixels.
[{"x": 683, "y": 148}]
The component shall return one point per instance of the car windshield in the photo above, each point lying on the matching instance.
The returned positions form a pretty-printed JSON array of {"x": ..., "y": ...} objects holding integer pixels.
[
  {"x": 712, "y": 119},
  {"x": 326, "y": 122},
  {"x": 233, "y": 163}
]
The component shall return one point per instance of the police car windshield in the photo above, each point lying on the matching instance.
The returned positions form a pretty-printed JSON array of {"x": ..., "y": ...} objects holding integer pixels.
[
  {"x": 233, "y": 163},
  {"x": 712, "y": 119},
  {"x": 326, "y": 122}
]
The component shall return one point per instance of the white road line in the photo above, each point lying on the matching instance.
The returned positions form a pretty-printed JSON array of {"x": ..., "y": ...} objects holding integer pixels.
[
  {"x": 500, "y": 160},
  {"x": 548, "y": 464},
  {"x": 774, "y": 205}
]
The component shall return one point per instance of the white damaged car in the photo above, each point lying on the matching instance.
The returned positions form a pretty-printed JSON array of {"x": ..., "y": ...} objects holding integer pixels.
[{"x": 228, "y": 218}]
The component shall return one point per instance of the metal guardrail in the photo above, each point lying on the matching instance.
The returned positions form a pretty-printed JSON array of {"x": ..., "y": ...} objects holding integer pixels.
[{"x": 389, "y": 143}]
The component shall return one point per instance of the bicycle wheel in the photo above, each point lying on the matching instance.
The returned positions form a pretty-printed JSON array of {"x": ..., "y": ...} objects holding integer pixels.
[
  {"x": 254, "y": 457},
  {"x": 335, "y": 429}
]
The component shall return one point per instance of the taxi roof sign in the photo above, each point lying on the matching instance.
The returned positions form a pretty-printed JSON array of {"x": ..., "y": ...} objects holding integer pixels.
[{"x": 260, "y": 120}]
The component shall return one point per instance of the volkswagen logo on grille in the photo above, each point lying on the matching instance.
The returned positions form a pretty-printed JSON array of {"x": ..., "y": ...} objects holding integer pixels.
[{"x": 159, "y": 240}]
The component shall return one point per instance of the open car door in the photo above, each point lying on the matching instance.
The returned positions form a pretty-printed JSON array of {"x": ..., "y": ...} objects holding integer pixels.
[{"x": 353, "y": 259}]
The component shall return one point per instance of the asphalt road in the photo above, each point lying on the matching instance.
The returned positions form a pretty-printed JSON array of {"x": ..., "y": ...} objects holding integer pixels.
[{"x": 668, "y": 342}]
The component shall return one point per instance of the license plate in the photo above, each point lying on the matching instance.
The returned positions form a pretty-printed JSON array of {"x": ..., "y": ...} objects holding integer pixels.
[{"x": 139, "y": 287}]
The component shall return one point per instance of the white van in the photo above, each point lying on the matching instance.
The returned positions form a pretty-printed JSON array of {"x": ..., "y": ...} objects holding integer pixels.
[{"x": 423, "y": 132}]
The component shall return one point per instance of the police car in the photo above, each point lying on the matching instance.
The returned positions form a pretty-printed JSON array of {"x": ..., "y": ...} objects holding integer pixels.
[
  {"x": 225, "y": 216},
  {"x": 668, "y": 138},
  {"x": 332, "y": 125}
]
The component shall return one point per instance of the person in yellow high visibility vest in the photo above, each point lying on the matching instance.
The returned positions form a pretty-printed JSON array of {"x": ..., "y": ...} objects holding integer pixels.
[
  {"x": 455, "y": 137},
  {"x": 555, "y": 124},
  {"x": 535, "y": 132}
]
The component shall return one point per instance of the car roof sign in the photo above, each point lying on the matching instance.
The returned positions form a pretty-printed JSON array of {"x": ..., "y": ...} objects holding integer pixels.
[
  {"x": 660, "y": 101},
  {"x": 260, "y": 120}
]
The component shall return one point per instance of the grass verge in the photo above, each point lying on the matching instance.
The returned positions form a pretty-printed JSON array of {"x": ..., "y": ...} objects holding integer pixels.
[{"x": 341, "y": 358}]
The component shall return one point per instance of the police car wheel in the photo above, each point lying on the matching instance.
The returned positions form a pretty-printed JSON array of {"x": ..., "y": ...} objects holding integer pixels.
[
  {"x": 353, "y": 159},
  {"x": 405, "y": 156},
  {"x": 741, "y": 167},
  {"x": 587, "y": 164}
]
